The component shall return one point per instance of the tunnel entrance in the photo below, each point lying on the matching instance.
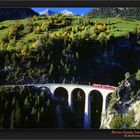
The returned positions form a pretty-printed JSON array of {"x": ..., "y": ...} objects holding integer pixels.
[
  {"x": 78, "y": 105},
  {"x": 96, "y": 101},
  {"x": 108, "y": 98},
  {"x": 61, "y": 94}
]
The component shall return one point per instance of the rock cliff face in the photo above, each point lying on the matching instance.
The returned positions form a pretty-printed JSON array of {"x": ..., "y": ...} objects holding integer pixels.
[
  {"x": 15, "y": 13},
  {"x": 134, "y": 120},
  {"x": 123, "y": 108}
]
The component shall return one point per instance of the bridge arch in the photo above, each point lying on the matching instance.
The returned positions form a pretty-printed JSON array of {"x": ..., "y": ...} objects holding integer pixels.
[
  {"x": 96, "y": 102},
  {"x": 61, "y": 93},
  {"x": 78, "y": 104},
  {"x": 45, "y": 90}
]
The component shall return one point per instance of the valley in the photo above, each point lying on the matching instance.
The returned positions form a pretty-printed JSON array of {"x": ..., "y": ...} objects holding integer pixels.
[{"x": 65, "y": 48}]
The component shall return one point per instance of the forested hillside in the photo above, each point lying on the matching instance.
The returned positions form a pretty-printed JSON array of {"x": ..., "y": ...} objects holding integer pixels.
[
  {"x": 68, "y": 49},
  {"x": 116, "y": 12}
]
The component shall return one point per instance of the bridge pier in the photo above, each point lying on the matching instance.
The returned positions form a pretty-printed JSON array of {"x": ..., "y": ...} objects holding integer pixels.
[
  {"x": 70, "y": 101},
  {"x": 103, "y": 109},
  {"x": 87, "y": 113}
]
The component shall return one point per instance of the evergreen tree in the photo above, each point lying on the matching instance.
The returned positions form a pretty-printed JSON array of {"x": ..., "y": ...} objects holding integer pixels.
[
  {"x": 7, "y": 61},
  {"x": 138, "y": 75},
  {"x": 2, "y": 120},
  {"x": 51, "y": 69},
  {"x": 12, "y": 119}
]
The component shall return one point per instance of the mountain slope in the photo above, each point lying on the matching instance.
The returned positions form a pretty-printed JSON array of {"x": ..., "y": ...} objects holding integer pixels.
[
  {"x": 113, "y": 12},
  {"x": 16, "y": 13},
  {"x": 81, "y": 52}
]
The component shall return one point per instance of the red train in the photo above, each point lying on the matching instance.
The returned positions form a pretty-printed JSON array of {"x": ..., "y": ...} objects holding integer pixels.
[{"x": 104, "y": 86}]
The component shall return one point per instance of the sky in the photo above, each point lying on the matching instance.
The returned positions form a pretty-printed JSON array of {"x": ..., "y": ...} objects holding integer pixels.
[{"x": 79, "y": 11}]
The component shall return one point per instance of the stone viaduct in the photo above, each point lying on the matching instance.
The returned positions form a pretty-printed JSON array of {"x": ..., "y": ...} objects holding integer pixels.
[{"x": 100, "y": 95}]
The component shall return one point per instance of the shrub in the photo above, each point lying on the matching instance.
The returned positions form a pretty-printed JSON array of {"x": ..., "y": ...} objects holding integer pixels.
[
  {"x": 138, "y": 125},
  {"x": 37, "y": 44},
  {"x": 37, "y": 29},
  {"x": 116, "y": 122},
  {"x": 44, "y": 26},
  {"x": 13, "y": 31},
  {"x": 5, "y": 38},
  {"x": 128, "y": 120},
  {"x": 127, "y": 75},
  {"x": 27, "y": 29},
  {"x": 138, "y": 75}
]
